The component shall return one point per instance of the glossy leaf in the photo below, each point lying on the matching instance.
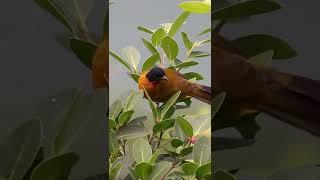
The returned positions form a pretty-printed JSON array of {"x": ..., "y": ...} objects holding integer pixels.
[
  {"x": 187, "y": 64},
  {"x": 245, "y": 9},
  {"x": 143, "y": 170},
  {"x": 152, "y": 105},
  {"x": 258, "y": 43},
  {"x": 205, "y": 31},
  {"x": 142, "y": 151},
  {"x": 178, "y": 23},
  {"x": 186, "y": 151},
  {"x": 149, "y": 46},
  {"x": 157, "y": 36},
  {"x": 125, "y": 117},
  {"x": 163, "y": 125},
  {"x": 150, "y": 62},
  {"x": 198, "y": 54},
  {"x": 189, "y": 168},
  {"x": 191, "y": 75},
  {"x": 57, "y": 168},
  {"x": 185, "y": 126},
  {"x": 176, "y": 143},
  {"x": 203, "y": 170},
  {"x": 169, "y": 104},
  {"x": 186, "y": 41},
  {"x": 170, "y": 47},
  {"x": 199, "y": 7}
]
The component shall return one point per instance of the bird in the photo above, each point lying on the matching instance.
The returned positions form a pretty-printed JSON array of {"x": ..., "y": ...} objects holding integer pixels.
[
  {"x": 290, "y": 98},
  {"x": 161, "y": 84}
]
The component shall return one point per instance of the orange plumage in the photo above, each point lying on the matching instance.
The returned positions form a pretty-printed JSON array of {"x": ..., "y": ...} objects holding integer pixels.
[{"x": 161, "y": 84}]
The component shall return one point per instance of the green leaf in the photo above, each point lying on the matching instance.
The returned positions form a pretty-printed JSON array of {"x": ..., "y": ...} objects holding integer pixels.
[
  {"x": 245, "y": 9},
  {"x": 169, "y": 113},
  {"x": 189, "y": 168},
  {"x": 113, "y": 143},
  {"x": 50, "y": 7},
  {"x": 163, "y": 125},
  {"x": 125, "y": 117},
  {"x": 142, "y": 151},
  {"x": 144, "y": 29},
  {"x": 166, "y": 27},
  {"x": 262, "y": 59},
  {"x": 191, "y": 75},
  {"x": 199, "y": 7},
  {"x": 115, "y": 109},
  {"x": 119, "y": 59},
  {"x": 169, "y": 104},
  {"x": 203, "y": 170},
  {"x": 186, "y": 41},
  {"x": 138, "y": 120},
  {"x": 132, "y": 132},
  {"x": 170, "y": 47},
  {"x": 132, "y": 56},
  {"x": 143, "y": 170},
  {"x": 135, "y": 77},
  {"x": 154, "y": 156},
  {"x": 115, "y": 171},
  {"x": 205, "y": 31},
  {"x": 176, "y": 143},
  {"x": 222, "y": 175},
  {"x": 217, "y": 103},
  {"x": 71, "y": 120},
  {"x": 149, "y": 46},
  {"x": 150, "y": 62},
  {"x": 208, "y": 177},
  {"x": 198, "y": 54},
  {"x": 186, "y": 151},
  {"x": 56, "y": 168},
  {"x": 157, "y": 36},
  {"x": 185, "y": 126},
  {"x": 20, "y": 149},
  {"x": 159, "y": 170},
  {"x": 178, "y": 23},
  {"x": 202, "y": 151},
  {"x": 83, "y": 50},
  {"x": 258, "y": 43},
  {"x": 152, "y": 106},
  {"x": 187, "y": 64},
  {"x": 131, "y": 100}
]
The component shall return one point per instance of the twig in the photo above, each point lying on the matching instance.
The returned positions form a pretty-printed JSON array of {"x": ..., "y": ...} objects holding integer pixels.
[{"x": 160, "y": 137}]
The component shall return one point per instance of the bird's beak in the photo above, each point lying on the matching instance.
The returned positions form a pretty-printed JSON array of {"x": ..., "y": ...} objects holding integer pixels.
[{"x": 164, "y": 78}]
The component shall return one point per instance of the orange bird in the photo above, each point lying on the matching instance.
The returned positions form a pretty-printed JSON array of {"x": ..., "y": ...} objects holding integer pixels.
[{"x": 161, "y": 84}]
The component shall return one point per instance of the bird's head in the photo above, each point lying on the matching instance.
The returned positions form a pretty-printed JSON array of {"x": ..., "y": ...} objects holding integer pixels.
[{"x": 156, "y": 74}]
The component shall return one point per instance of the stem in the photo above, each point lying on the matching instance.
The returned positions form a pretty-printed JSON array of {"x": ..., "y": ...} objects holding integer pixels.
[
  {"x": 159, "y": 142},
  {"x": 174, "y": 163}
]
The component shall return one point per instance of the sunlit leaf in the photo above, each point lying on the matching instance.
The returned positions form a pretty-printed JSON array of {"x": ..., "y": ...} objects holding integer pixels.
[
  {"x": 142, "y": 150},
  {"x": 144, "y": 29},
  {"x": 149, "y": 45},
  {"x": 185, "y": 126},
  {"x": 200, "y": 7},
  {"x": 125, "y": 117},
  {"x": 205, "y": 31},
  {"x": 150, "y": 62},
  {"x": 118, "y": 58},
  {"x": 187, "y": 42},
  {"x": 187, "y": 64},
  {"x": 169, "y": 104},
  {"x": 198, "y": 54},
  {"x": 154, "y": 156},
  {"x": 143, "y": 170},
  {"x": 157, "y": 36},
  {"x": 163, "y": 125},
  {"x": 178, "y": 23},
  {"x": 170, "y": 47},
  {"x": 132, "y": 56}
]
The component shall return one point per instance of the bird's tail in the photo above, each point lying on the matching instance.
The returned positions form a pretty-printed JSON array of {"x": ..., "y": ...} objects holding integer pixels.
[
  {"x": 202, "y": 93},
  {"x": 297, "y": 104}
]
